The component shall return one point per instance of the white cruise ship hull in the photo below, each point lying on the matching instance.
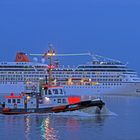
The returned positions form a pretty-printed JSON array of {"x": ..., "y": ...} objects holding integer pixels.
[{"x": 123, "y": 89}]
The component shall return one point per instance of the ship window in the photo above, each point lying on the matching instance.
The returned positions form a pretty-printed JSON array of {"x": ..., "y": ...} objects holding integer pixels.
[
  {"x": 59, "y": 100},
  {"x": 14, "y": 100},
  {"x": 55, "y": 91},
  {"x": 18, "y": 101},
  {"x": 64, "y": 101},
  {"x": 61, "y": 91},
  {"x": 9, "y": 100},
  {"x": 49, "y": 92}
]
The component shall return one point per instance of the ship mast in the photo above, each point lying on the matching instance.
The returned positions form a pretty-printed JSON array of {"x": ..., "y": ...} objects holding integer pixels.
[{"x": 49, "y": 55}]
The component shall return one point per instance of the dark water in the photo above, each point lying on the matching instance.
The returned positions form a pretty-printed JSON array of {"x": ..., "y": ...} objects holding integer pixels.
[{"x": 123, "y": 126}]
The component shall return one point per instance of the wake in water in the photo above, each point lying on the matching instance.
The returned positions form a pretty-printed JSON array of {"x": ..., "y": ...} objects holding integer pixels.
[{"x": 88, "y": 112}]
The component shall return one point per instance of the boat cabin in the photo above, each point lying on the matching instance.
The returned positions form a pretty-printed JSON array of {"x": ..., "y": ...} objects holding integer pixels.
[
  {"x": 53, "y": 91},
  {"x": 20, "y": 101},
  {"x": 14, "y": 101},
  {"x": 50, "y": 96},
  {"x": 56, "y": 95}
]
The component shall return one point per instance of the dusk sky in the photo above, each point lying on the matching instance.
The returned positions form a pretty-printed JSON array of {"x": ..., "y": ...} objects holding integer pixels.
[{"x": 107, "y": 27}]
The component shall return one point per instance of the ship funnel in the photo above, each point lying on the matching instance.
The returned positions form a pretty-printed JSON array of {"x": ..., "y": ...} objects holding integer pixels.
[{"x": 22, "y": 57}]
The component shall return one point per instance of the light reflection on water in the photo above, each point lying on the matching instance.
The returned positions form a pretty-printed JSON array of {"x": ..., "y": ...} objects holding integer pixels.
[
  {"x": 27, "y": 123},
  {"x": 45, "y": 127},
  {"x": 125, "y": 126},
  {"x": 47, "y": 131}
]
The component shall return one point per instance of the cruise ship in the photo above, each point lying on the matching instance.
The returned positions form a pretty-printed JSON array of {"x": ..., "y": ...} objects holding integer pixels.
[{"x": 99, "y": 77}]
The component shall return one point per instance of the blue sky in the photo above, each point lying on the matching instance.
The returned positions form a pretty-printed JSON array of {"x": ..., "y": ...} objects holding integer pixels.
[{"x": 106, "y": 27}]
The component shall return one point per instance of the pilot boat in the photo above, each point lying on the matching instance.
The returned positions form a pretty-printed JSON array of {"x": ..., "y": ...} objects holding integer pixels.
[{"x": 51, "y": 99}]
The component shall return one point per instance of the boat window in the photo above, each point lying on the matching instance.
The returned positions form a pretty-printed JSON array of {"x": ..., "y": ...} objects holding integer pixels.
[
  {"x": 18, "y": 101},
  {"x": 9, "y": 100},
  {"x": 64, "y": 91},
  {"x": 49, "y": 92},
  {"x": 14, "y": 100},
  {"x": 55, "y": 91},
  {"x": 59, "y": 100},
  {"x": 61, "y": 91},
  {"x": 64, "y": 100}
]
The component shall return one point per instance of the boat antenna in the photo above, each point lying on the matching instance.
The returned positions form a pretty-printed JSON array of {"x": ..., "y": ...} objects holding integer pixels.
[{"x": 46, "y": 80}]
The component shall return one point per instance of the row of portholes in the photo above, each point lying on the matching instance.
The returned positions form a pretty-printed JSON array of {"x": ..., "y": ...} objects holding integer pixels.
[
  {"x": 88, "y": 87},
  {"x": 8, "y": 82},
  {"x": 112, "y": 84}
]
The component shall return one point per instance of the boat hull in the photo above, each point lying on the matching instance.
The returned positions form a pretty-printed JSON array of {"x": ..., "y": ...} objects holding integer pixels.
[{"x": 57, "y": 109}]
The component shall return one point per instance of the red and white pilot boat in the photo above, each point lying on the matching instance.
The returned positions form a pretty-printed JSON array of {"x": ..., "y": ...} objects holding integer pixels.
[{"x": 51, "y": 99}]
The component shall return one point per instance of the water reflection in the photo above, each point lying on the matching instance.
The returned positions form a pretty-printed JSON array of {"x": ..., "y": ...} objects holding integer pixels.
[
  {"x": 72, "y": 124},
  {"x": 27, "y": 121},
  {"x": 45, "y": 127},
  {"x": 47, "y": 131}
]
